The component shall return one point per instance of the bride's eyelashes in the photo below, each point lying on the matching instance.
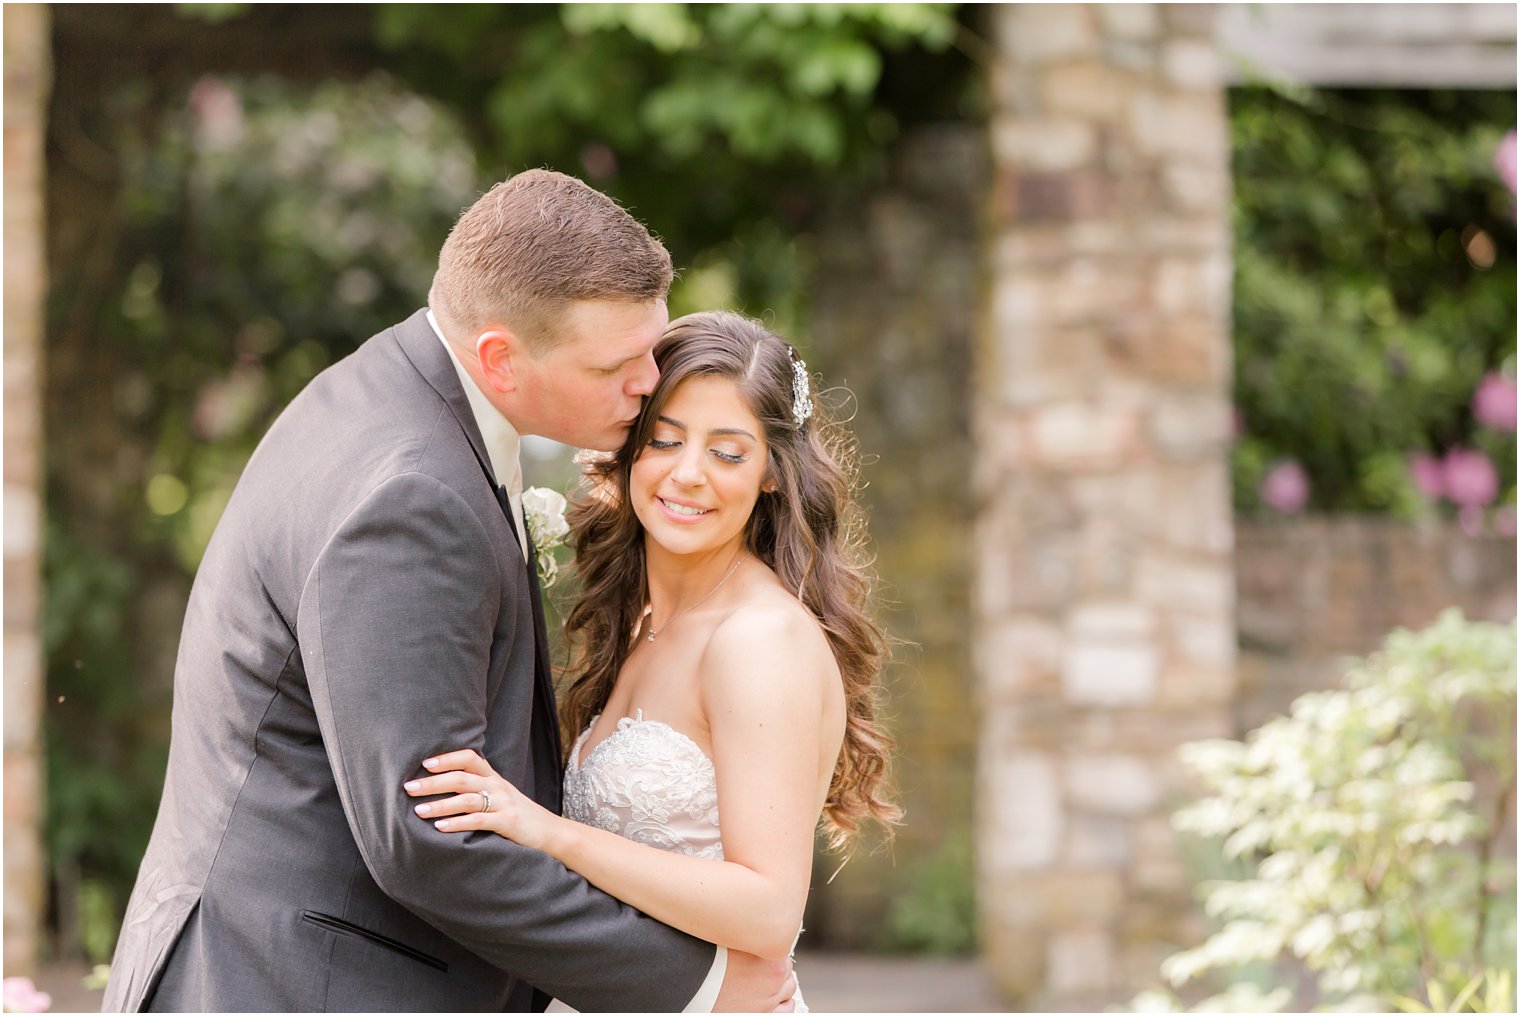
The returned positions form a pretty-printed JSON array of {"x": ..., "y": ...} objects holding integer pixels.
[{"x": 730, "y": 457}]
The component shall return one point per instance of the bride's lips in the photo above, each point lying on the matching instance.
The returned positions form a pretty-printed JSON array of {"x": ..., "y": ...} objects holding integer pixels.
[{"x": 672, "y": 509}]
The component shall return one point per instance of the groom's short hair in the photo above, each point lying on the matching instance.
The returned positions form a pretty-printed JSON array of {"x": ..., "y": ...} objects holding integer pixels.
[{"x": 535, "y": 243}]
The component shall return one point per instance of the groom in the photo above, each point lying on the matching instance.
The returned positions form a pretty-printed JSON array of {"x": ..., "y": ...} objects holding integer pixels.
[{"x": 368, "y": 600}]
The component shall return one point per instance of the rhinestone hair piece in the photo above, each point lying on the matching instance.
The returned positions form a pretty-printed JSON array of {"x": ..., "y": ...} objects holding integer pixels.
[{"x": 802, "y": 402}]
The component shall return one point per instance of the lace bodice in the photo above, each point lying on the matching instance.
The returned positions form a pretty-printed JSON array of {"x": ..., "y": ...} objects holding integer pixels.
[{"x": 648, "y": 782}]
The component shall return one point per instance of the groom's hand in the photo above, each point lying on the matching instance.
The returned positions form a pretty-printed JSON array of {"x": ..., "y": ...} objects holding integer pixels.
[{"x": 752, "y": 984}]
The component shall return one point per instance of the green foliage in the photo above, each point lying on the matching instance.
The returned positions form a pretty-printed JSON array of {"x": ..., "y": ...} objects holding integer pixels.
[
  {"x": 1369, "y": 824},
  {"x": 721, "y": 125},
  {"x": 1367, "y": 307},
  {"x": 266, "y": 232},
  {"x": 1488, "y": 991},
  {"x": 936, "y": 911},
  {"x": 104, "y": 763},
  {"x": 99, "y": 917},
  {"x": 766, "y": 82}
]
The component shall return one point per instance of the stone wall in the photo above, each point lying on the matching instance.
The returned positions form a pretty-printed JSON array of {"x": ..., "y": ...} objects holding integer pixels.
[
  {"x": 27, "y": 74},
  {"x": 1104, "y": 604},
  {"x": 893, "y": 315},
  {"x": 1316, "y": 591}
]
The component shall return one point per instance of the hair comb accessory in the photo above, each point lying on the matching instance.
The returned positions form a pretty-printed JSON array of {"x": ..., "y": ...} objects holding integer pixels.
[{"x": 802, "y": 402}]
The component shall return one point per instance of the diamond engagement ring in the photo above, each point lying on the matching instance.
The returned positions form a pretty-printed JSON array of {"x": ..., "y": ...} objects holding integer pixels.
[{"x": 485, "y": 801}]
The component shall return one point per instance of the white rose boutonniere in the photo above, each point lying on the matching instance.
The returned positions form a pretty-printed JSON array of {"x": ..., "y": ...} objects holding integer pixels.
[{"x": 544, "y": 514}]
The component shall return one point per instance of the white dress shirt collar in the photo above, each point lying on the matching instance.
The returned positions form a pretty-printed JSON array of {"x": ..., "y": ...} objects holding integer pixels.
[{"x": 503, "y": 444}]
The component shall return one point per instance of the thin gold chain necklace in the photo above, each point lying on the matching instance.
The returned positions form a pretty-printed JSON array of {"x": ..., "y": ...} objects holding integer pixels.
[{"x": 649, "y": 610}]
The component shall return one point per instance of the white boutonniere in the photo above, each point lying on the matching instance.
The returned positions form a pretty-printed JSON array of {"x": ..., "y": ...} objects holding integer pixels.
[{"x": 544, "y": 513}]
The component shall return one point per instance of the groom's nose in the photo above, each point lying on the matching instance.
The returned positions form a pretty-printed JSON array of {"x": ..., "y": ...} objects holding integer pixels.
[{"x": 644, "y": 377}]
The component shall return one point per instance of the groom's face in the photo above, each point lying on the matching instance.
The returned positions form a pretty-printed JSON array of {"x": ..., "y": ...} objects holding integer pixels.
[{"x": 587, "y": 389}]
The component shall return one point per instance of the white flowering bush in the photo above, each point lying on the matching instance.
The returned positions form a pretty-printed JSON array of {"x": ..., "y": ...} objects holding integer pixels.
[{"x": 1374, "y": 829}]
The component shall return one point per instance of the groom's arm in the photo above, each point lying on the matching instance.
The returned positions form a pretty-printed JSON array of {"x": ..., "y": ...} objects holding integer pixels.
[{"x": 395, "y": 626}]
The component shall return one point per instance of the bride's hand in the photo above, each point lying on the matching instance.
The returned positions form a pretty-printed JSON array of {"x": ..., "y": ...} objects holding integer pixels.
[{"x": 482, "y": 800}]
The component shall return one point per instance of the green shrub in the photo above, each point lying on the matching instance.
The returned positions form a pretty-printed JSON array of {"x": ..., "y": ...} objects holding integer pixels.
[
  {"x": 936, "y": 913},
  {"x": 1370, "y": 824}
]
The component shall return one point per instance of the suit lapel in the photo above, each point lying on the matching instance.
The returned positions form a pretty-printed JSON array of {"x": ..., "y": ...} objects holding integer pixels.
[
  {"x": 544, "y": 691},
  {"x": 421, "y": 346}
]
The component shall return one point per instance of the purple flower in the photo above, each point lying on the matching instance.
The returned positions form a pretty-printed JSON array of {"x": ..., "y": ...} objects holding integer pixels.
[
  {"x": 1429, "y": 475},
  {"x": 1470, "y": 478},
  {"x": 1494, "y": 402},
  {"x": 21, "y": 995},
  {"x": 1504, "y": 160},
  {"x": 1285, "y": 487}
]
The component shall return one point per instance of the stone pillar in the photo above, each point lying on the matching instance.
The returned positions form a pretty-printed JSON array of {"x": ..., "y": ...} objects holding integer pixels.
[
  {"x": 1105, "y": 590},
  {"x": 28, "y": 48}
]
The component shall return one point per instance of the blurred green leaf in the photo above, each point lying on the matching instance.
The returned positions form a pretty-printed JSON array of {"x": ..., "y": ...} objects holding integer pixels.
[{"x": 937, "y": 912}]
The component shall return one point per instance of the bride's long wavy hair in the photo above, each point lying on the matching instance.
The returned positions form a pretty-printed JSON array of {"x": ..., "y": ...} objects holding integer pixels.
[{"x": 809, "y": 531}]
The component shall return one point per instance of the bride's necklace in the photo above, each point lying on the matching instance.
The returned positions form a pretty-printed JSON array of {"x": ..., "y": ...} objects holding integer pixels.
[{"x": 649, "y": 610}]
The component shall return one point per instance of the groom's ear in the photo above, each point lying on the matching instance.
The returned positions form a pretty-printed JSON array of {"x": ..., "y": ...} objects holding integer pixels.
[{"x": 498, "y": 350}]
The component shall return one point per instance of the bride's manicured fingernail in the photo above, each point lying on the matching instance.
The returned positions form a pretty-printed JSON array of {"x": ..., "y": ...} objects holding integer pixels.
[
  {"x": 423, "y": 809},
  {"x": 442, "y": 824},
  {"x": 413, "y": 785},
  {"x": 430, "y": 762}
]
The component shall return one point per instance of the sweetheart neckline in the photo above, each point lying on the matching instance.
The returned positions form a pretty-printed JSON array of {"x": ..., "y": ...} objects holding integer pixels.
[{"x": 624, "y": 724}]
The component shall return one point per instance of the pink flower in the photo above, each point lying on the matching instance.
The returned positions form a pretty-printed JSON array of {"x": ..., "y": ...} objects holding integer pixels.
[
  {"x": 599, "y": 161},
  {"x": 1494, "y": 402},
  {"x": 1504, "y": 160},
  {"x": 1470, "y": 478},
  {"x": 1428, "y": 474},
  {"x": 21, "y": 995},
  {"x": 218, "y": 113},
  {"x": 1504, "y": 520},
  {"x": 1285, "y": 487}
]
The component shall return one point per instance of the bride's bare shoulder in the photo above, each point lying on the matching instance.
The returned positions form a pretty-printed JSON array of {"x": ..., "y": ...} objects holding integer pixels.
[{"x": 772, "y": 630}]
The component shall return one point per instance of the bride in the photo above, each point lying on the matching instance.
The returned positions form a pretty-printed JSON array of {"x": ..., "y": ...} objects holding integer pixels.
[{"x": 725, "y": 662}]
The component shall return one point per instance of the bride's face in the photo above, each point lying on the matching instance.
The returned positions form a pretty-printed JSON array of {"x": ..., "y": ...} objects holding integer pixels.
[{"x": 695, "y": 484}]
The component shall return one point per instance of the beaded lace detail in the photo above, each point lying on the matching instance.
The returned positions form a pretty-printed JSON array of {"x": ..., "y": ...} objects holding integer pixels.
[
  {"x": 647, "y": 782},
  {"x": 650, "y": 783}
]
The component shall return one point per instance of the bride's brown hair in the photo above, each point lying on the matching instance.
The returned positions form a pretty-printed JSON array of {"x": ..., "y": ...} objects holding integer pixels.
[{"x": 809, "y": 531}]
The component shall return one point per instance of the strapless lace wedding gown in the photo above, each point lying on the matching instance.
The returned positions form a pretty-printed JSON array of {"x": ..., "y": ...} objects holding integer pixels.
[{"x": 651, "y": 783}]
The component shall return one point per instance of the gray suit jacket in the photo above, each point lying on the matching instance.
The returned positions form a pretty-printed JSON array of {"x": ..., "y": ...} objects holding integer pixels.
[{"x": 362, "y": 605}]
